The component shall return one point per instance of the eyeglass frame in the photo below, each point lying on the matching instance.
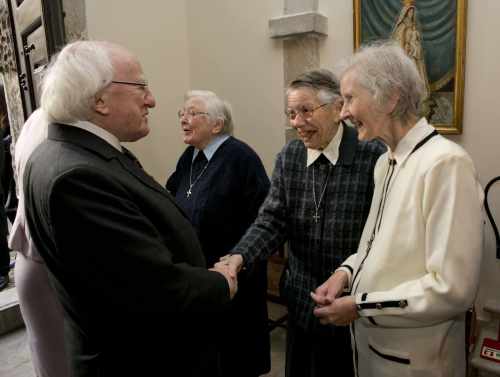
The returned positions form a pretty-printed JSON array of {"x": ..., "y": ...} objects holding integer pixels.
[
  {"x": 307, "y": 114},
  {"x": 182, "y": 113},
  {"x": 141, "y": 84}
]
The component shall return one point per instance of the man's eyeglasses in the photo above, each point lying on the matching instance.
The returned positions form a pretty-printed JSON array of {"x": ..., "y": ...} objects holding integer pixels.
[
  {"x": 305, "y": 112},
  {"x": 190, "y": 113},
  {"x": 143, "y": 84}
]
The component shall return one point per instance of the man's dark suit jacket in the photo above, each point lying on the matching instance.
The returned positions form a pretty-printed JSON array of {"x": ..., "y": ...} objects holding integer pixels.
[{"x": 125, "y": 262}]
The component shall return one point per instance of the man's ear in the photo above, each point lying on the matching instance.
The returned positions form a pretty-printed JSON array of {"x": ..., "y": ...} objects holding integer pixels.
[{"x": 100, "y": 105}]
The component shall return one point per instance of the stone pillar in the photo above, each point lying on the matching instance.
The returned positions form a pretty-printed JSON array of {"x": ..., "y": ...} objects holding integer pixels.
[{"x": 300, "y": 27}]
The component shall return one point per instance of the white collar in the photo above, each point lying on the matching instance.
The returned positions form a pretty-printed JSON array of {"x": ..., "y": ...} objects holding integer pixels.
[
  {"x": 331, "y": 151},
  {"x": 405, "y": 146},
  {"x": 212, "y": 147},
  {"x": 99, "y": 132}
]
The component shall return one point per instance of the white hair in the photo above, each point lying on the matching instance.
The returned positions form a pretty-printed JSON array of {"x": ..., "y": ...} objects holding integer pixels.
[
  {"x": 80, "y": 71},
  {"x": 384, "y": 69},
  {"x": 217, "y": 108}
]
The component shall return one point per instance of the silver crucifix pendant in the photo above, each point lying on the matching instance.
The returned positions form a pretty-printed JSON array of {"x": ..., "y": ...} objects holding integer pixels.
[
  {"x": 316, "y": 217},
  {"x": 188, "y": 192}
]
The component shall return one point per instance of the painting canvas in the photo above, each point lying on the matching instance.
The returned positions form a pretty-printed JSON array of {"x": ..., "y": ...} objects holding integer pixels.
[{"x": 432, "y": 32}]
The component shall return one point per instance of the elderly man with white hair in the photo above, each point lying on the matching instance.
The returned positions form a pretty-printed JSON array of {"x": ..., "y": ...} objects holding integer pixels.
[{"x": 124, "y": 261}]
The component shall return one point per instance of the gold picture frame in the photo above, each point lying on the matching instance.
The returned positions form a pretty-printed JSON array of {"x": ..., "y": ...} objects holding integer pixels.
[{"x": 447, "y": 85}]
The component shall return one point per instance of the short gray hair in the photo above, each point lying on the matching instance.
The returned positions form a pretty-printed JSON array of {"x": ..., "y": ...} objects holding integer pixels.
[
  {"x": 217, "y": 108},
  {"x": 80, "y": 71},
  {"x": 322, "y": 81},
  {"x": 383, "y": 68}
]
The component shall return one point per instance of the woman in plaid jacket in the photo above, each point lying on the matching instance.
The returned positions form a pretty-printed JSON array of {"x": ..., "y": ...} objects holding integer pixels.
[{"x": 319, "y": 199}]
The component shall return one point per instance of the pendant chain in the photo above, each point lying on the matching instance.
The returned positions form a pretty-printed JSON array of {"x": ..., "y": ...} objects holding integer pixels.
[
  {"x": 317, "y": 203},
  {"x": 191, "y": 182}
]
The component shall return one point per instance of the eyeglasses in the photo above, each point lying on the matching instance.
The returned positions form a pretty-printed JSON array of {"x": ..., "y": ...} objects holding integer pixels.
[
  {"x": 142, "y": 84},
  {"x": 190, "y": 113},
  {"x": 304, "y": 112}
]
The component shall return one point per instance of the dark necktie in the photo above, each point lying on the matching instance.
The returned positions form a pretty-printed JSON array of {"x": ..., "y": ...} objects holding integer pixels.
[
  {"x": 131, "y": 156},
  {"x": 199, "y": 163}
]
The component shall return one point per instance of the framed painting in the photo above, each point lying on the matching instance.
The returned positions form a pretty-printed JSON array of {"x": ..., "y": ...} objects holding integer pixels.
[{"x": 432, "y": 32}]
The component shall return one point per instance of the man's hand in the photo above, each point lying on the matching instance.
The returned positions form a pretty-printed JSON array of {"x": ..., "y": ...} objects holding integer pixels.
[
  {"x": 232, "y": 281},
  {"x": 231, "y": 261}
]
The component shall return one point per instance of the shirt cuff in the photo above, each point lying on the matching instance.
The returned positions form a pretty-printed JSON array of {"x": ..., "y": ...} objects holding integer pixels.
[{"x": 348, "y": 270}]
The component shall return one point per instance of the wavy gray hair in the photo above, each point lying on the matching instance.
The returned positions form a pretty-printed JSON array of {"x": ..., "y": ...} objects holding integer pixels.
[
  {"x": 322, "y": 81},
  {"x": 76, "y": 74},
  {"x": 217, "y": 108},
  {"x": 384, "y": 69}
]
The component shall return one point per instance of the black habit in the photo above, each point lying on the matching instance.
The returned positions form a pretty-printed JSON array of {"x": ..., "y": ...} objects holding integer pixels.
[{"x": 224, "y": 201}]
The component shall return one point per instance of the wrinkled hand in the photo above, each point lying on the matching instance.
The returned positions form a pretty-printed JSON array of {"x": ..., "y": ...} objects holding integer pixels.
[
  {"x": 231, "y": 261},
  {"x": 331, "y": 308},
  {"x": 341, "y": 311},
  {"x": 327, "y": 292},
  {"x": 231, "y": 279}
]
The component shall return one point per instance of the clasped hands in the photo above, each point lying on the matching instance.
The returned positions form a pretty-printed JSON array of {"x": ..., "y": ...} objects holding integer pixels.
[
  {"x": 229, "y": 266},
  {"x": 331, "y": 308}
]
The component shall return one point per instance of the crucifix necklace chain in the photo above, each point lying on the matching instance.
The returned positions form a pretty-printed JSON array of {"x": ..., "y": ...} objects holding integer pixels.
[
  {"x": 317, "y": 203},
  {"x": 191, "y": 182}
]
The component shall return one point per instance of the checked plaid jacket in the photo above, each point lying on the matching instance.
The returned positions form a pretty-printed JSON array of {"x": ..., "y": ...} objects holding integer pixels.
[{"x": 315, "y": 249}]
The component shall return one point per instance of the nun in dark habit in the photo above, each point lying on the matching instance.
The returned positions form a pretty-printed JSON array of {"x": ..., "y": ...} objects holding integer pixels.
[{"x": 220, "y": 183}]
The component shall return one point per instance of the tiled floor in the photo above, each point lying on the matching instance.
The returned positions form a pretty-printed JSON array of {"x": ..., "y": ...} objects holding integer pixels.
[{"x": 15, "y": 357}]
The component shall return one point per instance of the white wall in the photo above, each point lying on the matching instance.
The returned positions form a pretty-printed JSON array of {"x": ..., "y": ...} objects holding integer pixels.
[
  {"x": 157, "y": 33},
  {"x": 231, "y": 53},
  {"x": 481, "y": 136},
  {"x": 339, "y": 42}
]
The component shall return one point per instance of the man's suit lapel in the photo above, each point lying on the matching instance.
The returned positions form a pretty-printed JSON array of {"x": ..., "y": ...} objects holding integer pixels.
[
  {"x": 134, "y": 168},
  {"x": 132, "y": 165},
  {"x": 98, "y": 146}
]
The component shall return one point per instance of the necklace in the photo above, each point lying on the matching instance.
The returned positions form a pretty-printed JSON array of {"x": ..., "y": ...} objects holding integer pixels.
[
  {"x": 191, "y": 182},
  {"x": 317, "y": 204}
]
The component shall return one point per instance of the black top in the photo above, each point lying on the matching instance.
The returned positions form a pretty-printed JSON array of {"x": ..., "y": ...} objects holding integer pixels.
[
  {"x": 224, "y": 201},
  {"x": 226, "y": 197}
]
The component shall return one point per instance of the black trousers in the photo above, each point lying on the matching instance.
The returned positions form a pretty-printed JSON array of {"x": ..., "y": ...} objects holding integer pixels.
[{"x": 322, "y": 354}]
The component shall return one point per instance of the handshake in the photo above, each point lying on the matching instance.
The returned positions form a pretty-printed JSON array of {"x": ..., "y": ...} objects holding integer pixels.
[{"x": 229, "y": 266}]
